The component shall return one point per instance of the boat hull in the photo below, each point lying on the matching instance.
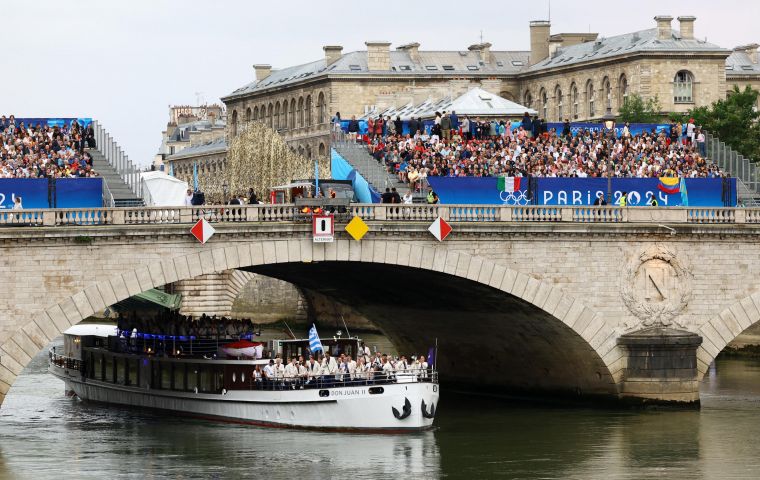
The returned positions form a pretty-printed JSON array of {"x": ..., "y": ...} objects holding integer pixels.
[{"x": 337, "y": 408}]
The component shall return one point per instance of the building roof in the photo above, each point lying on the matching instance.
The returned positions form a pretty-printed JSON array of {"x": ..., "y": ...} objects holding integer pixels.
[
  {"x": 740, "y": 63},
  {"x": 445, "y": 63},
  {"x": 215, "y": 146},
  {"x": 642, "y": 41},
  {"x": 182, "y": 130}
]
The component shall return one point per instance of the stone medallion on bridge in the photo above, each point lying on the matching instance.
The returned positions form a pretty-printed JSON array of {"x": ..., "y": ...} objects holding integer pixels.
[{"x": 656, "y": 287}]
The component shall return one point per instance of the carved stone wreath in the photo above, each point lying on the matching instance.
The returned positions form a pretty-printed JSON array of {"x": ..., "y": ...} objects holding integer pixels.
[{"x": 656, "y": 313}]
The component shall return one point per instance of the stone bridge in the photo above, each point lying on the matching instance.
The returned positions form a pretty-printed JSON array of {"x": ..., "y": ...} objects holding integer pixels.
[{"x": 629, "y": 304}]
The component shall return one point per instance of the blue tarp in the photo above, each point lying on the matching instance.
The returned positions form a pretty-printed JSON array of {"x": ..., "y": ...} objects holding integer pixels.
[
  {"x": 342, "y": 170},
  {"x": 61, "y": 193}
]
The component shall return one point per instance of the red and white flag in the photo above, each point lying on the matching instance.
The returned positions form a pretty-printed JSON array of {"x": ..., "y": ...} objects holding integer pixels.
[
  {"x": 440, "y": 229},
  {"x": 202, "y": 230}
]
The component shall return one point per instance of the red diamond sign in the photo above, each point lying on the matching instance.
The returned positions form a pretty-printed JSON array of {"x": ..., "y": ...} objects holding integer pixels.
[
  {"x": 202, "y": 230},
  {"x": 440, "y": 229}
]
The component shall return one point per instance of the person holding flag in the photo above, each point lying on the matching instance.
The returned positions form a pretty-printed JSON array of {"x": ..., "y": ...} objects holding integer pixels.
[{"x": 315, "y": 344}]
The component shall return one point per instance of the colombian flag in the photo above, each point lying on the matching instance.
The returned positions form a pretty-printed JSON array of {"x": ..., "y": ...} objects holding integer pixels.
[{"x": 669, "y": 185}]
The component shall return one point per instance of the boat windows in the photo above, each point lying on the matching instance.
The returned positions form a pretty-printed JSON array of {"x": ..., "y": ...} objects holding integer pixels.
[
  {"x": 179, "y": 377},
  {"x": 120, "y": 373},
  {"x": 206, "y": 383},
  {"x": 133, "y": 372},
  {"x": 166, "y": 375},
  {"x": 193, "y": 377},
  {"x": 110, "y": 369}
]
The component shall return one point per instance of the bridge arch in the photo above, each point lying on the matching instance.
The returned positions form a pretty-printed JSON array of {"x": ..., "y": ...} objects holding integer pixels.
[
  {"x": 596, "y": 356},
  {"x": 724, "y": 327}
]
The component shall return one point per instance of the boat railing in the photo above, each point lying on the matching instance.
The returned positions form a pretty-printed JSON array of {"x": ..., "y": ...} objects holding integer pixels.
[
  {"x": 364, "y": 379},
  {"x": 63, "y": 361}
]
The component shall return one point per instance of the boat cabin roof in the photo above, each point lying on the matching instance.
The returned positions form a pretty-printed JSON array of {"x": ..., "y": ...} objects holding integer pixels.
[{"x": 92, "y": 329}]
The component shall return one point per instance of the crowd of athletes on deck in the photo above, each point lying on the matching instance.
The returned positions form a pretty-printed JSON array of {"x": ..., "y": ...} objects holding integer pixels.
[
  {"x": 41, "y": 151},
  {"x": 465, "y": 147}
]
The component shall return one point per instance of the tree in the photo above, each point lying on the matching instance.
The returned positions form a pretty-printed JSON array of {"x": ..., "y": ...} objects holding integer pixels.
[
  {"x": 734, "y": 120},
  {"x": 636, "y": 110}
]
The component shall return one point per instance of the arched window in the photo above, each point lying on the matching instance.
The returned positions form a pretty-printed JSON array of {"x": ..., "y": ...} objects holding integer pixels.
[
  {"x": 234, "y": 122},
  {"x": 284, "y": 113},
  {"x": 574, "y": 99},
  {"x": 622, "y": 90},
  {"x": 321, "y": 149},
  {"x": 321, "y": 109},
  {"x": 544, "y": 104},
  {"x": 607, "y": 89},
  {"x": 559, "y": 100},
  {"x": 248, "y": 115},
  {"x": 528, "y": 99},
  {"x": 308, "y": 112},
  {"x": 590, "y": 99},
  {"x": 300, "y": 112},
  {"x": 292, "y": 123},
  {"x": 276, "y": 118},
  {"x": 300, "y": 150},
  {"x": 308, "y": 152},
  {"x": 683, "y": 87},
  {"x": 269, "y": 115},
  {"x": 255, "y": 113}
]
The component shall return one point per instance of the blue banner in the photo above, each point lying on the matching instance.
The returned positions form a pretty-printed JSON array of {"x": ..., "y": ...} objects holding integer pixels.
[
  {"x": 701, "y": 192},
  {"x": 634, "y": 128},
  {"x": 61, "y": 193},
  {"x": 476, "y": 191},
  {"x": 53, "y": 122}
]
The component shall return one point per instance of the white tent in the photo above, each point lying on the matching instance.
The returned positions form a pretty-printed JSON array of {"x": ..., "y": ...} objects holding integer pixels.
[
  {"x": 477, "y": 102},
  {"x": 162, "y": 190}
]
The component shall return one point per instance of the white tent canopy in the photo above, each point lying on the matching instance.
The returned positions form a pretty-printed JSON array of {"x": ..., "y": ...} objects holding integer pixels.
[
  {"x": 475, "y": 102},
  {"x": 162, "y": 190}
]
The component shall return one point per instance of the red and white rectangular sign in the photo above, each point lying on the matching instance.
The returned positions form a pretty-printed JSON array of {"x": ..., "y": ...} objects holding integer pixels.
[{"x": 323, "y": 228}]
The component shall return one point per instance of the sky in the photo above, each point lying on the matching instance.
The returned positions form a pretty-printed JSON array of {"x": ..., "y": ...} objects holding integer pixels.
[{"x": 123, "y": 63}]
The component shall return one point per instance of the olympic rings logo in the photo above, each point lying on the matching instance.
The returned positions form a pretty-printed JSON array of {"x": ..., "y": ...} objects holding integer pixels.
[{"x": 509, "y": 198}]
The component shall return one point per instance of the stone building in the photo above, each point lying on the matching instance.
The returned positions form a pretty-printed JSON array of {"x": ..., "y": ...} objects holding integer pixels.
[
  {"x": 194, "y": 134},
  {"x": 566, "y": 75}
]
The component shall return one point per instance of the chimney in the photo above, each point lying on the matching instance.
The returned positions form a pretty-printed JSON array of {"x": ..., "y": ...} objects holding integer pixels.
[
  {"x": 539, "y": 40},
  {"x": 663, "y": 27},
  {"x": 750, "y": 50},
  {"x": 378, "y": 55},
  {"x": 484, "y": 51},
  {"x": 332, "y": 53},
  {"x": 262, "y": 71},
  {"x": 413, "y": 49},
  {"x": 687, "y": 27}
]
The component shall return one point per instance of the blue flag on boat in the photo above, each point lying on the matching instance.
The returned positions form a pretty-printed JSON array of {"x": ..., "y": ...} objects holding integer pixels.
[
  {"x": 431, "y": 357},
  {"x": 315, "y": 343}
]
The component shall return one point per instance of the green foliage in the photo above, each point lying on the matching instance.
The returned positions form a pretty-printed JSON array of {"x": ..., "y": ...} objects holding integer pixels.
[
  {"x": 636, "y": 110},
  {"x": 733, "y": 120}
]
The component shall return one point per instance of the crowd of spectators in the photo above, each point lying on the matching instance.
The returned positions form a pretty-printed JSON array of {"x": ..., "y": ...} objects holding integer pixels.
[
  {"x": 41, "y": 151},
  {"x": 171, "y": 323},
  {"x": 485, "y": 148}
]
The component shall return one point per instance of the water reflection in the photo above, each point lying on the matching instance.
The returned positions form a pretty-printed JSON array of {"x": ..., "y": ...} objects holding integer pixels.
[{"x": 46, "y": 435}]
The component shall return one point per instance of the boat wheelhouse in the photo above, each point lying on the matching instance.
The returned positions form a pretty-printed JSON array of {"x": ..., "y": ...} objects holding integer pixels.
[{"x": 223, "y": 379}]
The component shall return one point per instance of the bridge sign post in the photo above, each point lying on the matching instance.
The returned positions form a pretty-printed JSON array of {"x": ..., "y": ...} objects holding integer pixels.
[{"x": 323, "y": 228}]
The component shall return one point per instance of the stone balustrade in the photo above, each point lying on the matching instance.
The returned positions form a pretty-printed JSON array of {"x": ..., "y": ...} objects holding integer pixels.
[{"x": 380, "y": 212}]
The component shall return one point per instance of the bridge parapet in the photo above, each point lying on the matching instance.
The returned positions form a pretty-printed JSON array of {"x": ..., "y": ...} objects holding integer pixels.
[{"x": 381, "y": 212}]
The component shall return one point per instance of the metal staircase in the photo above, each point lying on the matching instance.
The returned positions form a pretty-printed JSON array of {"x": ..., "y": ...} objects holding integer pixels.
[
  {"x": 121, "y": 178},
  {"x": 745, "y": 170},
  {"x": 357, "y": 155}
]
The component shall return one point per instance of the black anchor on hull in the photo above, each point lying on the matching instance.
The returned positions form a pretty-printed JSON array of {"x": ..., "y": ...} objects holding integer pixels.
[
  {"x": 425, "y": 412},
  {"x": 406, "y": 411}
]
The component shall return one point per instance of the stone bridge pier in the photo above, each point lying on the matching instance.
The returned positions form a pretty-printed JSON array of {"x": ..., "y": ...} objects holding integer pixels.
[{"x": 622, "y": 311}]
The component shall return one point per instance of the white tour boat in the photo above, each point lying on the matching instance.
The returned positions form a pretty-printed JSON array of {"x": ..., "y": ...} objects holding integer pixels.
[{"x": 217, "y": 379}]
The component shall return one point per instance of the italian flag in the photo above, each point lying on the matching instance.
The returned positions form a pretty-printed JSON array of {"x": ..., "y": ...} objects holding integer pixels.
[{"x": 508, "y": 184}]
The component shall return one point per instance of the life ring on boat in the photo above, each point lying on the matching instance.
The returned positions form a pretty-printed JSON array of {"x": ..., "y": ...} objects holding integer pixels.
[
  {"x": 195, "y": 390},
  {"x": 406, "y": 411},
  {"x": 425, "y": 412}
]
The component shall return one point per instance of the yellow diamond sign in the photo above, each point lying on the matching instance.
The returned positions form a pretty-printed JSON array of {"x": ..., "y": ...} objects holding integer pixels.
[{"x": 357, "y": 228}]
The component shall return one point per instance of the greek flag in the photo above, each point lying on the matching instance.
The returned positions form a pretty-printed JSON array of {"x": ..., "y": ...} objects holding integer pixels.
[{"x": 314, "y": 342}]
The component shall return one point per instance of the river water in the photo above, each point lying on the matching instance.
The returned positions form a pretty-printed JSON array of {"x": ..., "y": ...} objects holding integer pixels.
[{"x": 44, "y": 434}]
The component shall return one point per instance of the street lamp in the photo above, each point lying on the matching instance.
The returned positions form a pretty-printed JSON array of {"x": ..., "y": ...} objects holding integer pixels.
[
  {"x": 608, "y": 120},
  {"x": 225, "y": 191}
]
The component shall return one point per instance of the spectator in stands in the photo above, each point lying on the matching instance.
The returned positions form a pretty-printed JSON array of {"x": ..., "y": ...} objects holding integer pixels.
[{"x": 353, "y": 127}]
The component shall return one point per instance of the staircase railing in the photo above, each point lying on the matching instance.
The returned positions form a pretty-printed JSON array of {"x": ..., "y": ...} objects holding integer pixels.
[
  {"x": 108, "y": 200},
  {"x": 733, "y": 162},
  {"x": 116, "y": 157}
]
